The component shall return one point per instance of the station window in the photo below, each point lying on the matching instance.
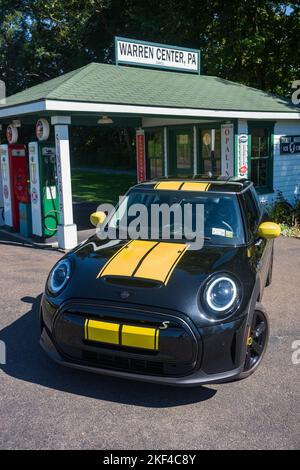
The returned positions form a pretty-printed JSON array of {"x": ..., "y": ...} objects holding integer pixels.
[
  {"x": 210, "y": 157},
  {"x": 261, "y": 158},
  {"x": 155, "y": 153}
]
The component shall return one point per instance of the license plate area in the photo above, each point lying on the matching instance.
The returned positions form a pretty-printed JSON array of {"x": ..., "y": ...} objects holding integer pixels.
[{"x": 121, "y": 335}]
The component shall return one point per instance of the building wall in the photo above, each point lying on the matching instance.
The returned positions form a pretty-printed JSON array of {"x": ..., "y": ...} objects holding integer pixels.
[{"x": 286, "y": 168}]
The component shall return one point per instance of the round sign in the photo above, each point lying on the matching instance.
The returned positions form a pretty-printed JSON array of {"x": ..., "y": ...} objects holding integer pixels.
[
  {"x": 243, "y": 138},
  {"x": 206, "y": 139},
  {"x": 11, "y": 134},
  {"x": 243, "y": 170},
  {"x": 42, "y": 129}
]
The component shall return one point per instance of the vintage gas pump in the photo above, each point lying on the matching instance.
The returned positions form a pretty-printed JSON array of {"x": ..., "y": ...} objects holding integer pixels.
[
  {"x": 14, "y": 171},
  {"x": 44, "y": 194}
]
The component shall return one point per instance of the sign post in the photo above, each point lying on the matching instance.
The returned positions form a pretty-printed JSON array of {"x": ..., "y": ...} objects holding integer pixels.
[
  {"x": 140, "y": 156},
  {"x": 227, "y": 149},
  {"x": 243, "y": 155},
  {"x": 150, "y": 54}
]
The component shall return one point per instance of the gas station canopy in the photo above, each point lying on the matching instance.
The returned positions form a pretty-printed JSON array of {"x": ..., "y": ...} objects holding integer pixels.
[
  {"x": 134, "y": 92},
  {"x": 190, "y": 123}
]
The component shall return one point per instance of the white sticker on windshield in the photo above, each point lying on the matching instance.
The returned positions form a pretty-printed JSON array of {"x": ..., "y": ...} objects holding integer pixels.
[{"x": 218, "y": 231}]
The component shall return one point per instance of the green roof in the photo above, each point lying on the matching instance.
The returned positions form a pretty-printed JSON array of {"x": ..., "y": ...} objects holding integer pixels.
[{"x": 103, "y": 83}]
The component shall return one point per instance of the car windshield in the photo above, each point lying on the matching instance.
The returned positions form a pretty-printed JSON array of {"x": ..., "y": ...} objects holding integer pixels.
[{"x": 221, "y": 218}]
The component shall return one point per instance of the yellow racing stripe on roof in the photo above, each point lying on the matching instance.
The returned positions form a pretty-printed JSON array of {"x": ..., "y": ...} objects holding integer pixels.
[
  {"x": 168, "y": 185},
  {"x": 125, "y": 261},
  {"x": 182, "y": 185},
  {"x": 194, "y": 186}
]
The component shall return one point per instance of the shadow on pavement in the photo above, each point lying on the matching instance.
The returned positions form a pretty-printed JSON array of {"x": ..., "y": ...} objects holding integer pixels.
[{"x": 26, "y": 361}]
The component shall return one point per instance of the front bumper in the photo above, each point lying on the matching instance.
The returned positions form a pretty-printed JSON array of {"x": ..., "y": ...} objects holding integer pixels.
[{"x": 187, "y": 356}]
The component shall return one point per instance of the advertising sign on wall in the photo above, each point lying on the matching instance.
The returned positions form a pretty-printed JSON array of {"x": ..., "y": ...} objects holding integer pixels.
[
  {"x": 243, "y": 155},
  {"x": 149, "y": 54},
  {"x": 289, "y": 144},
  {"x": 227, "y": 149},
  {"x": 140, "y": 156}
]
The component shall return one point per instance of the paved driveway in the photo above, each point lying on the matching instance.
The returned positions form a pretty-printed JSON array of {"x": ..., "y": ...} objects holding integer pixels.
[{"x": 43, "y": 405}]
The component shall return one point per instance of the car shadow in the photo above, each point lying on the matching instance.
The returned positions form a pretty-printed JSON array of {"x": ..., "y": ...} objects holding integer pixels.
[{"x": 26, "y": 361}]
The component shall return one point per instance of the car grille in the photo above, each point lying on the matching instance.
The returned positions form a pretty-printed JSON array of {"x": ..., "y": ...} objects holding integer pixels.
[
  {"x": 111, "y": 361},
  {"x": 178, "y": 353}
]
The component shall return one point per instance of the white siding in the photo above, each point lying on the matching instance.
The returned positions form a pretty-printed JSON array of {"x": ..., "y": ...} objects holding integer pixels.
[{"x": 286, "y": 171}]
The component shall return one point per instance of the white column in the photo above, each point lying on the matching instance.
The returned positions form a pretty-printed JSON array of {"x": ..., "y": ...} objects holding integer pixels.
[
  {"x": 166, "y": 162},
  {"x": 67, "y": 230},
  {"x": 195, "y": 148}
]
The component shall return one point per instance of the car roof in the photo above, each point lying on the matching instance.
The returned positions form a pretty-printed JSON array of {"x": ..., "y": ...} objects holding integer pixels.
[{"x": 220, "y": 184}]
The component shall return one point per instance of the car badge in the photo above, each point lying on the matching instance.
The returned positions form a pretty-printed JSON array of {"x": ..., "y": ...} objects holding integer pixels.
[{"x": 124, "y": 294}]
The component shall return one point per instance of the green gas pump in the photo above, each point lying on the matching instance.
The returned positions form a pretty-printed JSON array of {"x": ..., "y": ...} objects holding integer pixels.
[{"x": 43, "y": 185}]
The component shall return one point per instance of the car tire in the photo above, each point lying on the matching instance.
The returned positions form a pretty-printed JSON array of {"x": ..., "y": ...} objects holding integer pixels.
[
  {"x": 270, "y": 273},
  {"x": 259, "y": 324}
]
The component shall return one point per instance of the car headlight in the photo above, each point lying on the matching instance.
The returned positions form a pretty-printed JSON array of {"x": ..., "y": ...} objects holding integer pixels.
[
  {"x": 221, "y": 295},
  {"x": 59, "y": 276}
]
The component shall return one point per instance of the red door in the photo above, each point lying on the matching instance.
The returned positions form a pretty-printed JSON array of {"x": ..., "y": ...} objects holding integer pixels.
[{"x": 19, "y": 179}]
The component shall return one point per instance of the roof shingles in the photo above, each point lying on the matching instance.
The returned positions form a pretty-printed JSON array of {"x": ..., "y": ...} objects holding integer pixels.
[{"x": 105, "y": 83}]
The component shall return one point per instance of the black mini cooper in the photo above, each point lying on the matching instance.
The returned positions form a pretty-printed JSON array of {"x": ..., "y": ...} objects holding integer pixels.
[{"x": 155, "y": 310}]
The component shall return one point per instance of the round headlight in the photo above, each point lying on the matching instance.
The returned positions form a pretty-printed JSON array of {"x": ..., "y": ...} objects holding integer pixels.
[
  {"x": 59, "y": 276},
  {"x": 220, "y": 296}
]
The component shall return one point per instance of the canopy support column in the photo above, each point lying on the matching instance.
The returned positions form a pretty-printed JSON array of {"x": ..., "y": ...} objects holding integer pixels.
[{"x": 67, "y": 230}]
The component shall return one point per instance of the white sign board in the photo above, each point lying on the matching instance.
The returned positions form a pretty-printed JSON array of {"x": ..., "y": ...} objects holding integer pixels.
[
  {"x": 227, "y": 150},
  {"x": 6, "y": 186},
  {"x": 149, "y": 54},
  {"x": 243, "y": 155},
  {"x": 35, "y": 189}
]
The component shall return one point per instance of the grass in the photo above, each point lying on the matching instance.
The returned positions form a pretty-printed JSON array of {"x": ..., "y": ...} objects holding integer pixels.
[{"x": 98, "y": 187}]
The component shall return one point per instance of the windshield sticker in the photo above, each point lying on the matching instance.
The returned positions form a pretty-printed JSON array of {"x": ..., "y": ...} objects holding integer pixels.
[
  {"x": 218, "y": 231},
  {"x": 229, "y": 234}
]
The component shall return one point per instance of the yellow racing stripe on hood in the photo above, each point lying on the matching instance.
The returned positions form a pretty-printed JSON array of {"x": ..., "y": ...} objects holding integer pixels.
[
  {"x": 125, "y": 261},
  {"x": 159, "y": 264},
  {"x": 145, "y": 259}
]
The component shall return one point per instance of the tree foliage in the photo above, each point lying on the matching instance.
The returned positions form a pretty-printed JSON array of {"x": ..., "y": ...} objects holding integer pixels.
[{"x": 249, "y": 41}]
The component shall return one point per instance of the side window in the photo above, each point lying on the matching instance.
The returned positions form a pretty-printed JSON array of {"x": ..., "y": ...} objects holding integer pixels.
[
  {"x": 252, "y": 212},
  {"x": 256, "y": 199}
]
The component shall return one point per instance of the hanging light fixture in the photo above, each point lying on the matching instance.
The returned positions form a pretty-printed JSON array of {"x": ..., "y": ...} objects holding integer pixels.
[{"x": 105, "y": 120}]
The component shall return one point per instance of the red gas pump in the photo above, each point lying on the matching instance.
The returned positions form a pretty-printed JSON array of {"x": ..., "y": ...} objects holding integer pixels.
[{"x": 19, "y": 180}]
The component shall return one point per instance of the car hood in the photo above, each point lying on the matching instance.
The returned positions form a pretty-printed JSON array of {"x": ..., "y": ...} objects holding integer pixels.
[{"x": 157, "y": 274}]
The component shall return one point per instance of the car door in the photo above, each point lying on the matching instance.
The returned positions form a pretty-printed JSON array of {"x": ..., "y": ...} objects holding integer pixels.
[{"x": 260, "y": 248}]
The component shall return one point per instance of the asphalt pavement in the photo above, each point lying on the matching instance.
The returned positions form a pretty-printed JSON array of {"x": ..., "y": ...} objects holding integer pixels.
[{"x": 46, "y": 406}]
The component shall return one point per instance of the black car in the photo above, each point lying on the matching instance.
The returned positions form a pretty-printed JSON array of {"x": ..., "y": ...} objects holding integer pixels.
[{"x": 155, "y": 310}]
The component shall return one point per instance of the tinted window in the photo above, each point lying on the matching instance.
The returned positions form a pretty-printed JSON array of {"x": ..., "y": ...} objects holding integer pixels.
[
  {"x": 222, "y": 217},
  {"x": 252, "y": 212}
]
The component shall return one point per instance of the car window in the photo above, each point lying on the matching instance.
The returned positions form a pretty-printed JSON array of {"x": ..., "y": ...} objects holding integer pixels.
[
  {"x": 252, "y": 212},
  {"x": 256, "y": 199},
  {"x": 222, "y": 217}
]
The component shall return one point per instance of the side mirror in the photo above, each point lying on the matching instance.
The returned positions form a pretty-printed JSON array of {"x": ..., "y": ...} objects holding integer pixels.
[
  {"x": 269, "y": 230},
  {"x": 97, "y": 218}
]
